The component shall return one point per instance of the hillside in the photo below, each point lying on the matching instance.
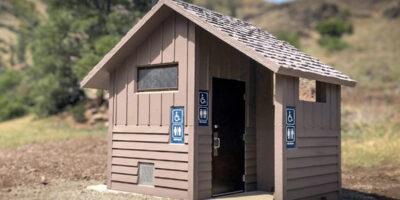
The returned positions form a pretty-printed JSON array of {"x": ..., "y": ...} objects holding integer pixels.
[
  {"x": 16, "y": 17},
  {"x": 372, "y": 56}
]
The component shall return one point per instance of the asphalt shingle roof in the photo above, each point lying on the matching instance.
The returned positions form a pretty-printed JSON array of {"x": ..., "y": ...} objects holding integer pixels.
[{"x": 261, "y": 42}]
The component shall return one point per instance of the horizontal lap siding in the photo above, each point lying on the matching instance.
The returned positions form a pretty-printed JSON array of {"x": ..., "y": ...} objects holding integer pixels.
[
  {"x": 313, "y": 167},
  {"x": 217, "y": 59},
  {"x": 170, "y": 161},
  {"x": 140, "y": 132}
]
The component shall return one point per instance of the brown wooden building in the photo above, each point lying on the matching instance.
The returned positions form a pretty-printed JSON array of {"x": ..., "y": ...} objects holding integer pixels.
[{"x": 233, "y": 90}]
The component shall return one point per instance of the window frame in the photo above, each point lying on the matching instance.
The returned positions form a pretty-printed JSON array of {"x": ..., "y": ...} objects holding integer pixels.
[
  {"x": 320, "y": 91},
  {"x": 160, "y": 65}
]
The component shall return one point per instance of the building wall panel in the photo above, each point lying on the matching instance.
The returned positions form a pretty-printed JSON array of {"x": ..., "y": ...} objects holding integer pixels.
[
  {"x": 140, "y": 120},
  {"x": 312, "y": 169}
]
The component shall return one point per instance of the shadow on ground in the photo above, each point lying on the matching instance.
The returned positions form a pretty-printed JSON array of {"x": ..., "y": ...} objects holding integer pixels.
[{"x": 349, "y": 194}]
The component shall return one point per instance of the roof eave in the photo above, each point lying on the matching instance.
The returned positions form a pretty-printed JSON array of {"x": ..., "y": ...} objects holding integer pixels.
[{"x": 317, "y": 77}]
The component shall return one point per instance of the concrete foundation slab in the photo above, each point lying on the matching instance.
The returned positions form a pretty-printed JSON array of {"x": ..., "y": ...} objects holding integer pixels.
[
  {"x": 256, "y": 195},
  {"x": 103, "y": 189}
]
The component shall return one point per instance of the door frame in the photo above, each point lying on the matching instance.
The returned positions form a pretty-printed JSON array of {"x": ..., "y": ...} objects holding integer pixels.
[{"x": 243, "y": 135}]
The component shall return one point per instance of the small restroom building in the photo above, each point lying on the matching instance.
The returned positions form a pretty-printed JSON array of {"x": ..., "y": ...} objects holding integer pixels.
[{"x": 204, "y": 105}]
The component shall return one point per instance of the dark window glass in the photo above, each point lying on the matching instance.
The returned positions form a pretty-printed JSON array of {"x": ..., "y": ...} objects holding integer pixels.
[{"x": 158, "y": 78}]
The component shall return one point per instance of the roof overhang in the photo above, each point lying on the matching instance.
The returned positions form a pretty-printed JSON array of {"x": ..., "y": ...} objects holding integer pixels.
[{"x": 98, "y": 77}]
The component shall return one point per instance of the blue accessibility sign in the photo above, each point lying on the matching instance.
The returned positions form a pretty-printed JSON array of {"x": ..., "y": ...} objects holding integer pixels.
[
  {"x": 203, "y": 116},
  {"x": 290, "y": 127},
  {"x": 203, "y": 108},
  {"x": 290, "y": 116},
  {"x": 290, "y": 137},
  {"x": 177, "y": 128},
  {"x": 203, "y": 98}
]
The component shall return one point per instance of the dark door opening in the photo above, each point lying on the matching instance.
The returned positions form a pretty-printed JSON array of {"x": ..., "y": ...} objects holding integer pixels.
[{"x": 228, "y": 121}]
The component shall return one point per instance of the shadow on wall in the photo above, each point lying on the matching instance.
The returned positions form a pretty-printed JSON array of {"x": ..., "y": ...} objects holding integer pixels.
[{"x": 349, "y": 194}]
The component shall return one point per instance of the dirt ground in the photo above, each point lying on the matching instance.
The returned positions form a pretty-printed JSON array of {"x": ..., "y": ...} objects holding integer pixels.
[
  {"x": 77, "y": 159},
  {"x": 63, "y": 170},
  {"x": 380, "y": 183}
]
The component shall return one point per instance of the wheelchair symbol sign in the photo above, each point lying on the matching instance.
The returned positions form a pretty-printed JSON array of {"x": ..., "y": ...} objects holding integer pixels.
[
  {"x": 290, "y": 116},
  {"x": 177, "y": 115},
  {"x": 203, "y": 98}
]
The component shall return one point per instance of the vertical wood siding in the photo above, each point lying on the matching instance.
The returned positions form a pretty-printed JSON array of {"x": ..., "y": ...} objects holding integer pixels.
[
  {"x": 312, "y": 169},
  {"x": 264, "y": 129},
  {"x": 140, "y": 120},
  {"x": 217, "y": 59}
]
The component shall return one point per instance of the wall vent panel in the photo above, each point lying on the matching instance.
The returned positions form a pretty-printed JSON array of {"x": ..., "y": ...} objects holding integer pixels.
[{"x": 146, "y": 174}]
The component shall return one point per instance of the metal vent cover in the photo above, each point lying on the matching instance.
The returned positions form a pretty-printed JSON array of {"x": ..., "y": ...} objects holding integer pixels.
[{"x": 146, "y": 174}]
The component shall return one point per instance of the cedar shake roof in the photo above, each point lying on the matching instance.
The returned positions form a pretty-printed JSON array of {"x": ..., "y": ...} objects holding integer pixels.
[{"x": 279, "y": 56}]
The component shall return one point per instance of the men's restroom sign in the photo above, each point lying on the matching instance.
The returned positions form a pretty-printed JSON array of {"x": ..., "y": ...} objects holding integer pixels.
[
  {"x": 290, "y": 127},
  {"x": 177, "y": 128},
  {"x": 203, "y": 108}
]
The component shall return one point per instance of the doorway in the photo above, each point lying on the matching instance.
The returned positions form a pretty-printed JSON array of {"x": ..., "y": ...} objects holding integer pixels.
[{"x": 228, "y": 124}]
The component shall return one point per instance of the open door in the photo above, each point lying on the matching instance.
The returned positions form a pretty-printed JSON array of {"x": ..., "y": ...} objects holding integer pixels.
[{"x": 228, "y": 121}]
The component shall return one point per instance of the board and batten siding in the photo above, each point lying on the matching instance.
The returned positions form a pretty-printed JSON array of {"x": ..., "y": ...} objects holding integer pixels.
[
  {"x": 219, "y": 60},
  {"x": 139, "y": 121},
  {"x": 312, "y": 169}
]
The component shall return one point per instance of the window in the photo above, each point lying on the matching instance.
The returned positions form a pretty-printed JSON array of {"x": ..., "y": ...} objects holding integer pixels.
[
  {"x": 312, "y": 91},
  {"x": 146, "y": 174},
  {"x": 158, "y": 77}
]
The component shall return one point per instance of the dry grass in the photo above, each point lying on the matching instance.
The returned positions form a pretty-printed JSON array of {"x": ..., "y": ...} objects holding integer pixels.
[
  {"x": 28, "y": 130},
  {"x": 372, "y": 57},
  {"x": 371, "y": 136}
]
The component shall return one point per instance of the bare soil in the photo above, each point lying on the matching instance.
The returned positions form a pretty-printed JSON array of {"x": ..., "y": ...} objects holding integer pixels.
[
  {"x": 77, "y": 159},
  {"x": 379, "y": 182},
  {"x": 63, "y": 170}
]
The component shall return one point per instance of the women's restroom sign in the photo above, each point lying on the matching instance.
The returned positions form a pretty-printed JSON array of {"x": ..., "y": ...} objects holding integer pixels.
[
  {"x": 203, "y": 108},
  {"x": 177, "y": 127},
  {"x": 290, "y": 127}
]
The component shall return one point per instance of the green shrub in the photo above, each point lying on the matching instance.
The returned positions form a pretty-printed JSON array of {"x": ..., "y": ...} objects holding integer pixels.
[
  {"x": 78, "y": 113},
  {"x": 291, "y": 38},
  {"x": 10, "y": 108},
  {"x": 11, "y": 101},
  {"x": 334, "y": 27},
  {"x": 332, "y": 43}
]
